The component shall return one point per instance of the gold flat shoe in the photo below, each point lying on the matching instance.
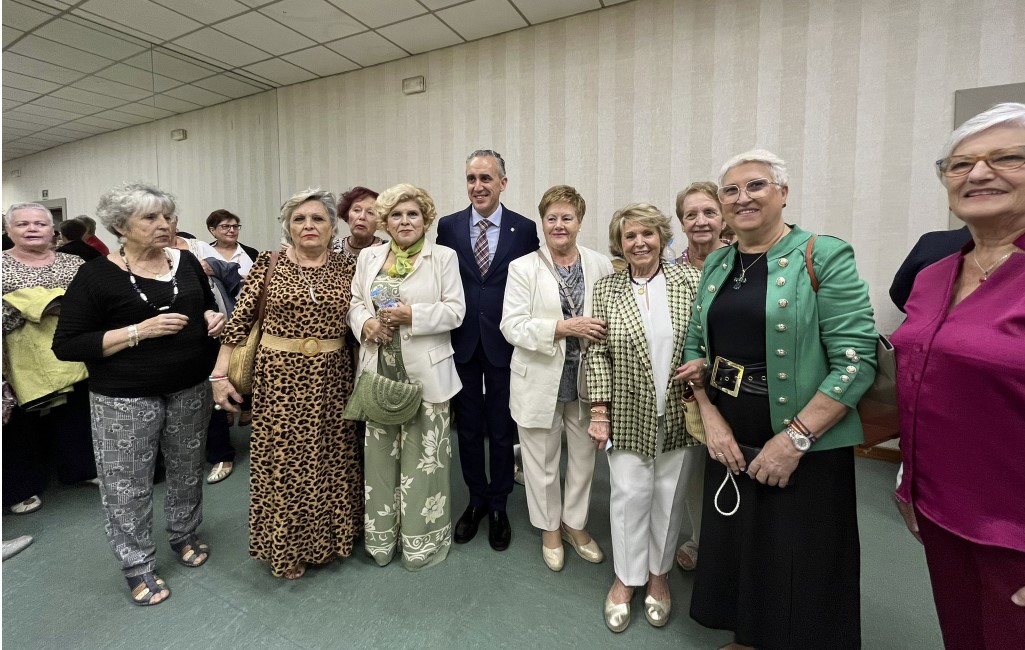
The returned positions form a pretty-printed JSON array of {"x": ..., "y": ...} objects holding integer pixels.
[
  {"x": 617, "y": 617},
  {"x": 555, "y": 558},
  {"x": 590, "y": 551},
  {"x": 657, "y": 611}
]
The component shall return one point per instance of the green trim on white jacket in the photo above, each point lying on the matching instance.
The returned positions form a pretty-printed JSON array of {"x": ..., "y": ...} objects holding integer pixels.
[{"x": 823, "y": 341}]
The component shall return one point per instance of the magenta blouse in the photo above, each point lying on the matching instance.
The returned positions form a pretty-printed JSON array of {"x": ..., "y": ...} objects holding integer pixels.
[{"x": 961, "y": 390}]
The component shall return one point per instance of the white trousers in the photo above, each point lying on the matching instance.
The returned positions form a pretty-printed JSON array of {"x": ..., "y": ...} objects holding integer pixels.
[
  {"x": 541, "y": 454},
  {"x": 646, "y": 507},
  {"x": 693, "y": 480}
]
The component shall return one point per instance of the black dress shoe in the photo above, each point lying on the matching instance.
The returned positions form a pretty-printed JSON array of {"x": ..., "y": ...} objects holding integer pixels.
[
  {"x": 499, "y": 531},
  {"x": 466, "y": 527}
]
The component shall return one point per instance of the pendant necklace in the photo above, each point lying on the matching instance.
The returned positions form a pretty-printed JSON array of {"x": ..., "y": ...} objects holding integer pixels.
[
  {"x": 986, "y": 272},
  {"x": 642, "y": 287},
  {"x": 742, "y": 278},
  {"x": 135, "y": 285},
  {"x": 309, "y": 285}
]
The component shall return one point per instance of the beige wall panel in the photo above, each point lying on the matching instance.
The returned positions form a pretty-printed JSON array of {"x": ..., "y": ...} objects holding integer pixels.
[{"x": 630, "y": 103}]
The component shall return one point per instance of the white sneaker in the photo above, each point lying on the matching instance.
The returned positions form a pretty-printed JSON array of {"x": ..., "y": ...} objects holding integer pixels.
[{"x": 14, "y": 546}]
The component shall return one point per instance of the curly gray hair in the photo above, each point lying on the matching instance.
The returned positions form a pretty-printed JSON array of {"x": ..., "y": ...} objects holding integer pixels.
[
  {"x": 309, "y": 194},
  {"x": 119, "y": 204}
]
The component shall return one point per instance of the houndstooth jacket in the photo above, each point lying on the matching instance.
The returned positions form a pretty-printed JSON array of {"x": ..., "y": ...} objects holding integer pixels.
[{"x": 619, "y": 368}]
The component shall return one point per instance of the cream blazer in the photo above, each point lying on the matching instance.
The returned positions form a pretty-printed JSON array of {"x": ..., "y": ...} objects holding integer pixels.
[
  {"x": 532, "y": 307},
  {"x": 434, "y": 291}
]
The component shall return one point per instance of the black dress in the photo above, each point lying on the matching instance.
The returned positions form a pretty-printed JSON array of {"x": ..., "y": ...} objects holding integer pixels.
[{"x": 783, "y": 572}]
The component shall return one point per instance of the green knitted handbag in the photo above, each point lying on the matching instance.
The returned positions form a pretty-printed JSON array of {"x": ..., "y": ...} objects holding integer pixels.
[{"x": 382, "y": 400}]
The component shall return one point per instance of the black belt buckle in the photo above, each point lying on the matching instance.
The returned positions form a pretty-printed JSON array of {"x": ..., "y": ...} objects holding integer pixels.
[{"x": 726, "y": 376}]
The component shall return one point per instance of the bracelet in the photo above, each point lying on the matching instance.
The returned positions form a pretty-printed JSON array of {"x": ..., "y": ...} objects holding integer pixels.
[
  {"x": 599, "y": 411},
  {"x": 217, "y": 377},
  {"x": 133, "y": 336},
  {"x": 803, "y": 428},
  {"x": 605, "y": 421}
]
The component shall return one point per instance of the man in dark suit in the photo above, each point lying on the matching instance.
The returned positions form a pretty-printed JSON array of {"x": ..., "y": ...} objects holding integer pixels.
[
  {"x": 931, "y": 248},
  {"x": 486, "y": 236}
]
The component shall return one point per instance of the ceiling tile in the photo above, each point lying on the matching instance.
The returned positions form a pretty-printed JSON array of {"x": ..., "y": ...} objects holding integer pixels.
[
  {"x": 268, "y": 35},
  {"x": 254, "y": 3},
  {"x": 613, "y": 2},
  {"x": 24, "y": 18},
  {"x": 31, "y": 116},
  {"x": 100, "y": 100},
  {"x": 39, "y": 69},
  {"x": 280, "y": 72},
  {"x": 66, "y": 105},
  {"x": 10, "y": 34},
  {"x": 58, "y": 54},
  {"x": 228, "y": 86},
  {"x": 374, "y": 13},
  {"x": 221, "y": 47},
  {"x": 111, "y": 88},
  {"x": 89, "y": 39},
  {"x": 539, "y": 11},
  {"x": 56, "y": 4},
  {"x": 482, "y": 18},
  {"x": 174, "y": 104},
  {"x": 64, "y": 129},
  {"x": 205, "y": 11},
  {"x": 172, "y": 65},
  {"x": 10, "y": 103},
  {"x": 54, "y": 113},
  {"x": 37, "y": 143},
  {"x": 88, "y": 128},
  {"x": 366, "y": 49},
  {"x": 102, "y": 122},
  {"x": 434, "y": 5},
  {"x": 24, "y": 82},
  {"x": 317, "y": 20},
  {"x": 16, "y": 132},
  {"x": 17, "y": 94},
  {"x": 142, "y": 79},
  {"x": 140, "y": 15},
  {"x": 11, "y": 120},
  {"x": 197, "y": 95},
  {"x": 121, "y": 116},
  {"x": 421, "y": 34},
  {"x": 146, "y": 110},
  {"x": 321, "y": 61},
  {"x": 47, "y": 139}
]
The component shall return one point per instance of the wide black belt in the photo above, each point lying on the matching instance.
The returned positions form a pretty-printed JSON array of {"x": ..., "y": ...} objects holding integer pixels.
[{"x": 733, "y": 378}]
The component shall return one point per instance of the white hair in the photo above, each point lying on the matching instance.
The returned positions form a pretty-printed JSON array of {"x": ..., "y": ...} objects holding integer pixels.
[
  {"x": 26, "y": 206},
  {"x": 777, "y": 168},
  {"x": 327, "y": 199},
  {"x": 1008, "y": 113}
]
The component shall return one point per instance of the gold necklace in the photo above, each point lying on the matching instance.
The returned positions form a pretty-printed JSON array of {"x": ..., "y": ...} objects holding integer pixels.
[
  {"x": 643, "y": 286},
  {"x": 986, "y": 272}
]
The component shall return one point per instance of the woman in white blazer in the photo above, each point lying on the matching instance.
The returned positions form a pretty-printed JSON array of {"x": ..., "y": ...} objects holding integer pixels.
[
  {"x": 546, "y": 317},
  {"x": 406, "y": 298}
]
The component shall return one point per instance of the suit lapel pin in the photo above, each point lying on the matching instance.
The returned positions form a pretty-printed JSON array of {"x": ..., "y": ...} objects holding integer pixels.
[{"x": 512, "y": 230}]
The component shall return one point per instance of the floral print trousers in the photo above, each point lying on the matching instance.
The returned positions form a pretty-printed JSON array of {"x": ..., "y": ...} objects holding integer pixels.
[{"x": 407, "y": 488}]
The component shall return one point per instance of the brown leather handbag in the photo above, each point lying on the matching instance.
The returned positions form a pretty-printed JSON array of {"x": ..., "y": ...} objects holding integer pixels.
[{"x": 242, "y": 364}]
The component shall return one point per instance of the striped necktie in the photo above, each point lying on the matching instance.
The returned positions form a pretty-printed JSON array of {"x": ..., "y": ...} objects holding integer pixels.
[{"x": 480, "y": 248}]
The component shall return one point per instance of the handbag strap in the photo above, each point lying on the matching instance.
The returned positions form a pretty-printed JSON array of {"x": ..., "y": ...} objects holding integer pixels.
[
  {"x": 262, "y": 304},
  {"x": 808, "y": 264},
  {"x": 563, "y": 287},
  {"x": 729, "y": 478}
]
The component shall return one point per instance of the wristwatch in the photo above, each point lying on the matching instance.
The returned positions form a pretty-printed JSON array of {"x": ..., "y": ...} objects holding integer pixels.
[{"x": 801, "y": 441}]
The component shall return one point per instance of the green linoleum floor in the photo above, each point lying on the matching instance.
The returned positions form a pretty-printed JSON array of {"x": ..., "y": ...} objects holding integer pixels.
[{"x": 65, "y": 591}]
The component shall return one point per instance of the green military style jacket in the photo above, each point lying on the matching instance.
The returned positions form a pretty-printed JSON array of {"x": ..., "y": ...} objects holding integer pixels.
[{"x": 824, "y": 341}]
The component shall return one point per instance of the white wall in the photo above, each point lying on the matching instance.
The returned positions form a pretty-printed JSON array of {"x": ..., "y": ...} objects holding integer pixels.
[{"x": 629, "y": 103}]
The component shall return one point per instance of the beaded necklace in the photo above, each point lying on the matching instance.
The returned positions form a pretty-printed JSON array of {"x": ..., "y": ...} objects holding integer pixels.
[{"x": 135, "y": 285}]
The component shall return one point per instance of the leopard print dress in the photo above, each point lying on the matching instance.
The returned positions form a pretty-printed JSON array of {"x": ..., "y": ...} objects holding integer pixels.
[{"x": 306, "y": 481}]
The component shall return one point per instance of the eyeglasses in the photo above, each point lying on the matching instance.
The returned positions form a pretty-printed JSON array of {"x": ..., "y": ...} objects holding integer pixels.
[
  {"x": 757, "y": 188},
  {"x": 226, "y": 227},
  {"x": 1000, "y": 160}
]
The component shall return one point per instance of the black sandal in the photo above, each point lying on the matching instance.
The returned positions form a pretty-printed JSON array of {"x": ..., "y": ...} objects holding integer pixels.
[
  {"x": 190, "y": 550},
  {"x": 143, "y": 588}
]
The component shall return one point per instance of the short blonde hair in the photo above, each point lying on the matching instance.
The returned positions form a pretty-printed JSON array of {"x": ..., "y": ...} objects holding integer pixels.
[
  {"x": 401, "y": 193},
  {"x": 562, "y": 194},
  {"x": 708, "y": 188},
  {"x": 644, "y": 214},
  {"x": 327, "y": 199}
]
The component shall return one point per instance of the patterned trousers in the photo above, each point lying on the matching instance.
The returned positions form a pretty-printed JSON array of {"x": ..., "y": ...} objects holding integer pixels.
[
  {"x": 407, "y": 488},
  {"x": 127, "y": 432}
]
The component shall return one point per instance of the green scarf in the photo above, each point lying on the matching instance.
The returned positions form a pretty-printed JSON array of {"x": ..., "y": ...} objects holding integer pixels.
[{"x": 402, "y": 264}]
